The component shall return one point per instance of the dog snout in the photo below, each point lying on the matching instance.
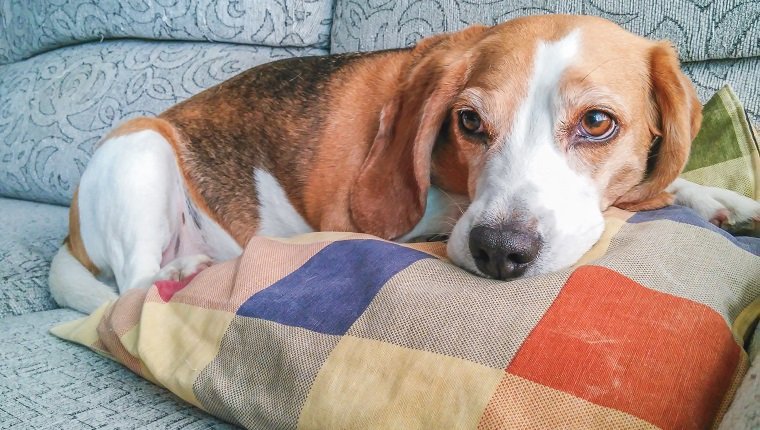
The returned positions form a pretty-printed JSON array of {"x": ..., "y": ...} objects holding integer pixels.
[{"x": 504, "y": 251}]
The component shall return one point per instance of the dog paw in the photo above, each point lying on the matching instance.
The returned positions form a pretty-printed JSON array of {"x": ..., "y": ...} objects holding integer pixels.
[
  {"x": 733, "y": 210},
  {"x": 726, "y": 209},
  {"x": 183, "y": 267}
]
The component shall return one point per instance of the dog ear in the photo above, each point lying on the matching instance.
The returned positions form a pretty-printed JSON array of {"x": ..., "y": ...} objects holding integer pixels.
[
  {"x": 676, "y": 117},
  {"x": 390, "y": 193}
]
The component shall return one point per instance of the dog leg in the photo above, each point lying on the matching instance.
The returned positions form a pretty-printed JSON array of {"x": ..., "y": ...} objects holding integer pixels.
[
  {"x": 130, "y": 205},
  {"x": 722, "y": 207}
]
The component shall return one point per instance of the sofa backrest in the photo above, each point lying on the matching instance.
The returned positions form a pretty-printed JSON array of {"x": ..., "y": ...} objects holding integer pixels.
[
  {"x": 701, "y": 30},
  {"x": 70, "y": 70},
  {"x": 29, "y": 27}
]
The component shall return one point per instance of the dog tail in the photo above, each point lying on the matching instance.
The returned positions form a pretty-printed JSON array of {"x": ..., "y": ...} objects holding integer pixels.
[{"x": 73, "y": 286}]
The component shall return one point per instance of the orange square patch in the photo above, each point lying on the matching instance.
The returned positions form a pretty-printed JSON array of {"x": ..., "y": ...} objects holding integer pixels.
[{"x": 613, "y": 342}]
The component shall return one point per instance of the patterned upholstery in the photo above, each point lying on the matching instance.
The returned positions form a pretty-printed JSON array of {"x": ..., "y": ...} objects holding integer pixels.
[
  {"x": 30, "y": 234},
  {"x": 55, "y": 106},
  {"x": 743, "y": 413},
  {"x": 701, "y": 30},
  {"x": 29, "y": 27},
  {"x": 741, "y": 74},
  {"x": 46, "y": 383}
]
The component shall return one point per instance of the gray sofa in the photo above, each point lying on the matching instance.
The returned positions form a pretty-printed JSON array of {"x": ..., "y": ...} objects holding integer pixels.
[{"x": 72, "y": 69}]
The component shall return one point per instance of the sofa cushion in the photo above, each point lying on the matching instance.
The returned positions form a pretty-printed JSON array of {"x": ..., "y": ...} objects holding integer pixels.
[
  {"x": 701, "y": 30},
  {"x": 55, "y": 106},
  {"x": 741, "y": 74},
  {"x": 28, "y": 27},
  {"x": 340, "y": 330},
  {"x": 30, "y": 234},
  {"x": 46, "y": 383}
]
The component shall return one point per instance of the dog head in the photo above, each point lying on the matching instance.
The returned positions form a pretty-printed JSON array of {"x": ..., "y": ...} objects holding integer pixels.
[{"x": 543, "y": 122}]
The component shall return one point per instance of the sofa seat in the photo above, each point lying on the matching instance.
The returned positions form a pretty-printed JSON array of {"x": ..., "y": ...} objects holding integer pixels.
[
  {"x": 48, "y": 383},
  {"x": 30, "y": 234}
]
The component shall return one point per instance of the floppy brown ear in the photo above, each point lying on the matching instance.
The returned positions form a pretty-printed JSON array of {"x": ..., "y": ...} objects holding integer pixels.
[
  {"x": 677, "y": 117},
  {"x": 390, "y": 193}
]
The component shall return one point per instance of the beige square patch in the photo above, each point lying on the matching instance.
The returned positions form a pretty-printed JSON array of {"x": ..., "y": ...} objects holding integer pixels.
[{"x": 398, "y": 388}]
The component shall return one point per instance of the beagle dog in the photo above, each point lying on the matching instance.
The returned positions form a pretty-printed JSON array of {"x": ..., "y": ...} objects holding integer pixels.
[{"x": 513, "y": 139}]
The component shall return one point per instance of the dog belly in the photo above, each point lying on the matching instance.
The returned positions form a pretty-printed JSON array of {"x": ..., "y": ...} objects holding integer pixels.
[{"x": 196, "y": 234}]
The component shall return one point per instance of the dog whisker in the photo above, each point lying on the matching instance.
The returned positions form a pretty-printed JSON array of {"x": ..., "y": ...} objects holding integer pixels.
[{"x": 454, "y": 201}]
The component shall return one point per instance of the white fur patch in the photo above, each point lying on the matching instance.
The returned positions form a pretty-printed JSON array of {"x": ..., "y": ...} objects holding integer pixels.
[
  {"x": 207, "y": 238},
  {"x": 73, "y": 286},
  {"x": 530, "y": 175},
  {"x": 125, "y": 197},
  {"x": 134, "y": 212},
  {"x": 183, "y": 267},
  {"x": 277, "y": 216}
]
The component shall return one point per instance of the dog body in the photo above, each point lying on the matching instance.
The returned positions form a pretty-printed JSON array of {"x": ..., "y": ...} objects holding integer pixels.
[{"x": 513, "y": 138}]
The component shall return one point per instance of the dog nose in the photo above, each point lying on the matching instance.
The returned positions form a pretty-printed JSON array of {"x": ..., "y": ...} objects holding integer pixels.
[{"x": 505, "y": 251}]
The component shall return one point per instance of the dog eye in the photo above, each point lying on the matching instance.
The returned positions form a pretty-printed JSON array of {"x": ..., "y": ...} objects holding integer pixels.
[
  {"x": 597, "y": 125},
  {"x": 470, "y": 121}
]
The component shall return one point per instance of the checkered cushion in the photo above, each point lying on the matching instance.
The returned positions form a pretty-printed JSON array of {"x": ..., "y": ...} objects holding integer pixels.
[{"x": 348, "y": 331}]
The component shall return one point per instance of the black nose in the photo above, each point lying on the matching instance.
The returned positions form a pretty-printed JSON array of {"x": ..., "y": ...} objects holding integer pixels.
[{"x": 505, "y": 251}]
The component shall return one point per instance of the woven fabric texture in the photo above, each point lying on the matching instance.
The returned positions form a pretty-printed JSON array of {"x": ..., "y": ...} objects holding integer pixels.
[
  {"x": 725, "y": 152},
  {"x": 349, "y": 331}
]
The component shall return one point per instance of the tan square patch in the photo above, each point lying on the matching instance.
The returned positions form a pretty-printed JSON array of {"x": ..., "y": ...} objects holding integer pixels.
[{"x": 522, "y": 404}]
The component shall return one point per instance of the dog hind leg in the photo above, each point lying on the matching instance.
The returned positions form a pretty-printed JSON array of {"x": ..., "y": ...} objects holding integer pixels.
[{"x": 130, "y": 202}]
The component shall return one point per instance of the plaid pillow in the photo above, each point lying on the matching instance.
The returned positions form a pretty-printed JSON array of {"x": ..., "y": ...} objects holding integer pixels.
[{"x": 340, "y": 330}]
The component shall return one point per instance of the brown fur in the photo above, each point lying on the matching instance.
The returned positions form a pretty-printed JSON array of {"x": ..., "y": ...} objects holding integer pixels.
[
  {"x": 654, "y": 202},
  {"x": 355, "y": 139},
  {"x": 144, "y": 123},
  {"x": 407, "y": 133},
  {"x": 167, "y": 130},
  {"x": 677, "y": 116},
  {"x": 271, "y": 117},
  {"x": 351, "y": 122},
  {"x": 177, "y": 142}
]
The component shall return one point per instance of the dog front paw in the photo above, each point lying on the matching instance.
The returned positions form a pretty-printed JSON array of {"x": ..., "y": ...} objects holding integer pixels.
[{"x": 724, "y": 208}]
